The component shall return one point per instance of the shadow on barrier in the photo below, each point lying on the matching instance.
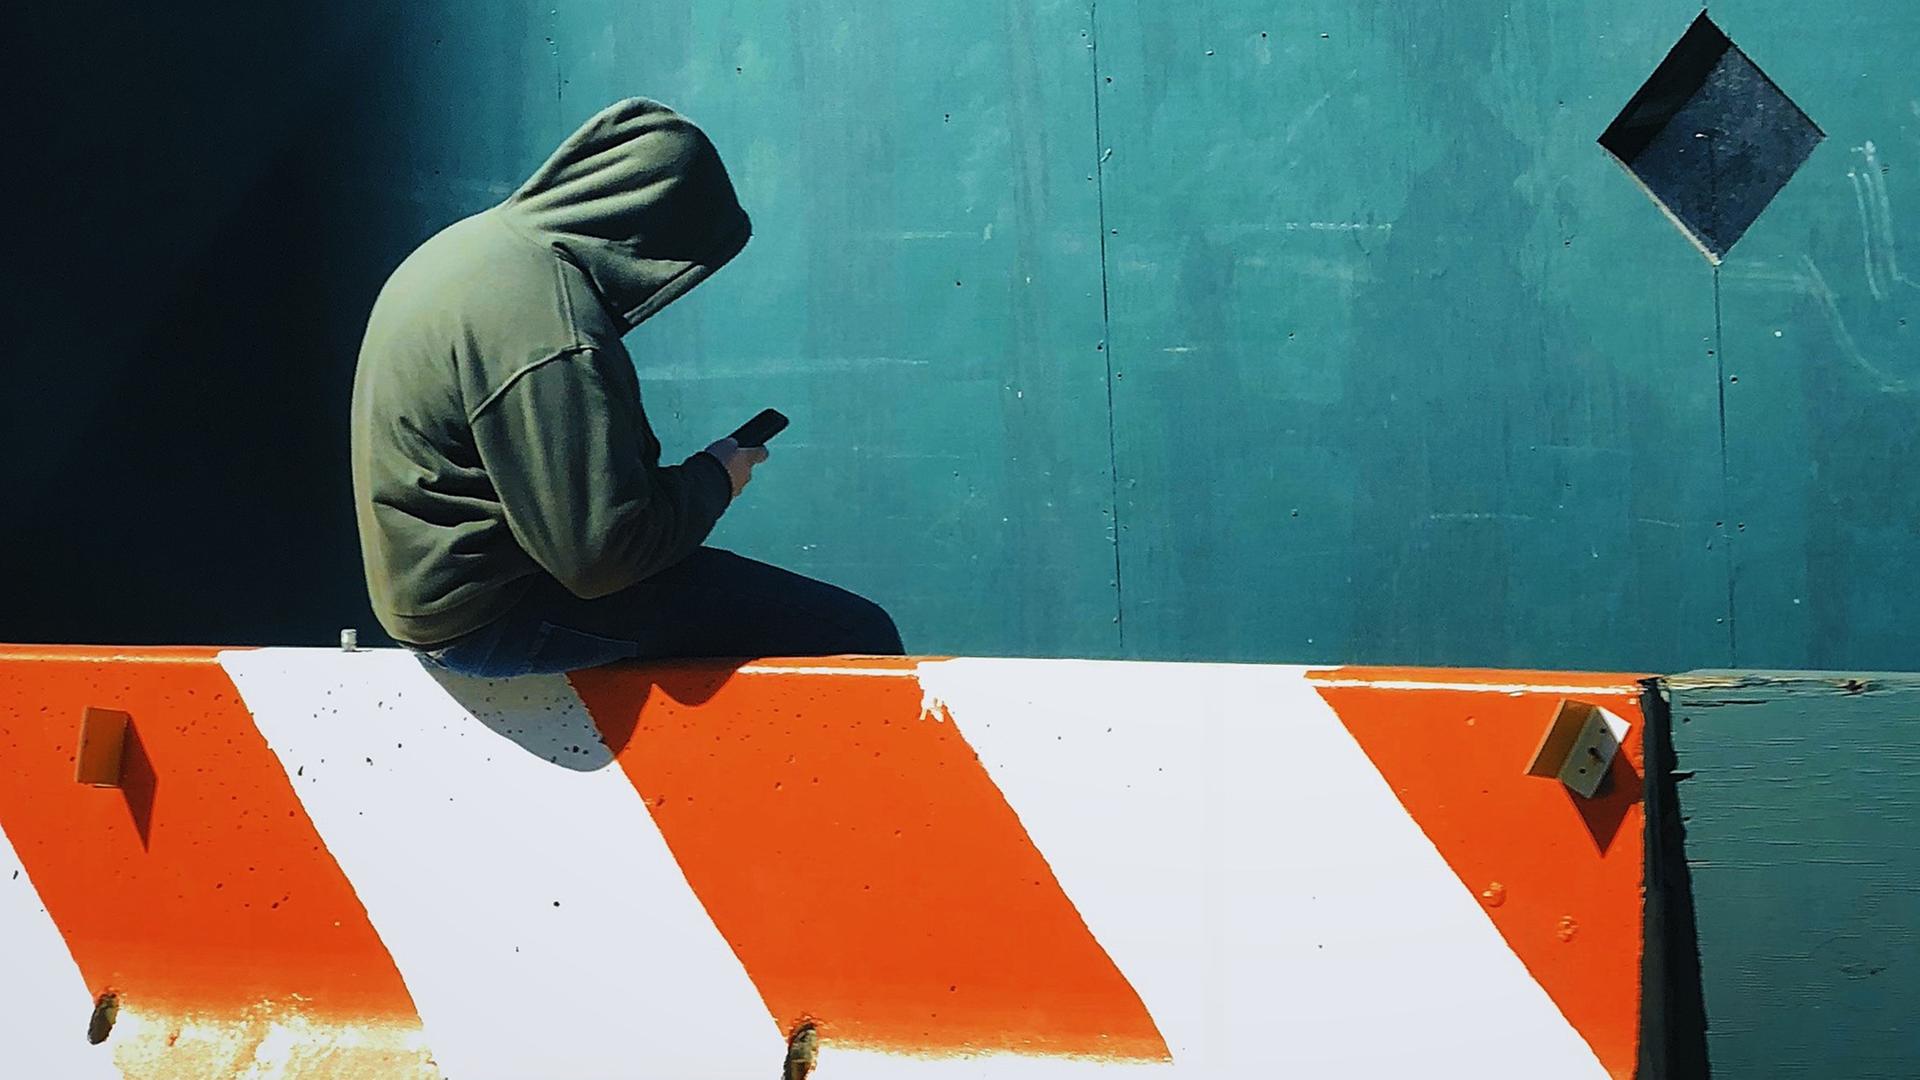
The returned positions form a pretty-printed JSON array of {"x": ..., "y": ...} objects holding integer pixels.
[
  {"x": 139, "y": 783},
  {"x": 1619, "y": 790},
  {"x": 1673, "y": 1019},
  {"x": 534, "y": 714}
]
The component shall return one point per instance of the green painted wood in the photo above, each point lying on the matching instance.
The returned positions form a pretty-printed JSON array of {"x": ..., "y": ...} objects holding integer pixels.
[
  {"x": 1801, "y": 808},
  {"x": 1407, "y": 370},
  {"x": 1820, "y": 305}
]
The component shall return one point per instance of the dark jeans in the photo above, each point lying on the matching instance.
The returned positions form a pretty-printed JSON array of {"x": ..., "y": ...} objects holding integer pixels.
[{"x": 711, "y": 604}]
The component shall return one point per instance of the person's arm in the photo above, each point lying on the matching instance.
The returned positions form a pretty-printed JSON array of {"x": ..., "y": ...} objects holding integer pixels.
[{"x": 563, "y": 445}]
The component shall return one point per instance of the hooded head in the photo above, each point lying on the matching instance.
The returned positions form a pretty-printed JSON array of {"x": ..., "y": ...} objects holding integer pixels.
[{"x": 639, "y": 201}]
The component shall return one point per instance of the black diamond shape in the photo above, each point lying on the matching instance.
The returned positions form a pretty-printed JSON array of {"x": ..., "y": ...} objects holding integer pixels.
[{"x": 1711, "y": 138}]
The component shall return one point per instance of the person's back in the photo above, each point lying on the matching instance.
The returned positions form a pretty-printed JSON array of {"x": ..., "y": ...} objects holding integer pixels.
[
  {"x": 501, "y": 458},
  {"x": 444, "y": 335}
]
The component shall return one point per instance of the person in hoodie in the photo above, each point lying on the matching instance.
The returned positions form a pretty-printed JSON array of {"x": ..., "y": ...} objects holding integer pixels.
[{"x": 514, "y": 516}]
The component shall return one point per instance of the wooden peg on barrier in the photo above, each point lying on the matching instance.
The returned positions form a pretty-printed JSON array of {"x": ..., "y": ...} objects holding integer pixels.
[
  {"x": 1579, "y": 746},
  {"x": 103, "y": 741}
]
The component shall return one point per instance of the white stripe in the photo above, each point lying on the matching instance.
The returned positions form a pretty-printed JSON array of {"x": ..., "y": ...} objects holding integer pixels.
[
  {"x": 517, "y": 878},
  {"x": 1253, "y": 875},
  {"x": 44, "y": 1000},
  {"x": 1185, "y": 670},
  {"x": 1514, "y": 689}
]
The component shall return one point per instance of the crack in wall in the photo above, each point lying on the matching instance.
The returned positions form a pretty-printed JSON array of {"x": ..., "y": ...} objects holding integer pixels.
[
  {"x": 1720, "y": 376},
  {"x": 1726, "y": 476},
  {"x": 1106, "y": 333}
]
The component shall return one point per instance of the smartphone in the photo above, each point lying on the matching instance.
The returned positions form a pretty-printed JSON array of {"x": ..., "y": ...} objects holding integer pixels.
[{"x": 758, "y": 430}]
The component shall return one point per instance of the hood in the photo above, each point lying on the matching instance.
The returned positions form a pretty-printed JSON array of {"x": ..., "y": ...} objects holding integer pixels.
[{"x": 638, "y": 199}]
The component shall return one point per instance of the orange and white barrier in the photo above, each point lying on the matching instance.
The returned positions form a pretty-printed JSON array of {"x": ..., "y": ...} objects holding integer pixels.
[{"x": 321, "y": 863}]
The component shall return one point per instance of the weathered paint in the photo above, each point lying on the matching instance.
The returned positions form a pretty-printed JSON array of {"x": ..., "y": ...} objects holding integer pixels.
[
  {"x": 42, "y": 993},
  {"x": 1075, "y": 868},
  {"x": 521, "y": 885},
  {"x": 1800, "y": 809},
  {"x": 199, "y": 889}
]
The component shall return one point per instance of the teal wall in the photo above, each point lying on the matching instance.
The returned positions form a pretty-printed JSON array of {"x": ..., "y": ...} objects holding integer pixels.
[
  {"x": 1818, "y": 304},
  {"x": 1319, "y": 332},
  {"x": 1363, "y": 345}
]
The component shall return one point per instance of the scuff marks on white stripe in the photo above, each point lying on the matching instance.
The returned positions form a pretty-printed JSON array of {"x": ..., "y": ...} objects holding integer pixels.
[
  {"x": 515, "y": 876},
  {"x": 267, "y": 1042}
]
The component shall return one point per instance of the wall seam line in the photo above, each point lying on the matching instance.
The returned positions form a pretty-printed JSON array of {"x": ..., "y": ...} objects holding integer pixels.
[
  {"x": 1726, "y": 476},
  {"x": 1106, "y": 333},
  {"x": 1720, "y": 389}
]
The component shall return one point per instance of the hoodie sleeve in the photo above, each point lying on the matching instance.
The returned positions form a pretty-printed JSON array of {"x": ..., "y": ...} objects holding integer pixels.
[{"x": 565, "y": 446}]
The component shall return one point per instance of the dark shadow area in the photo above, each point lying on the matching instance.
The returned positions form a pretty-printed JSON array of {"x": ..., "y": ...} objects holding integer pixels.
[
  {"x": 617, "y": 695},
  {"x": 138, "y": 783},
  {"x": 1673, "y": 83},
  {"x": 1711, "y": 137},
  {"x": 521, "y": 710},
  {"x": 204, "y": 243},
  {"x": 1673, "y": 1019},
  {"x": 1619, "y": 790}
]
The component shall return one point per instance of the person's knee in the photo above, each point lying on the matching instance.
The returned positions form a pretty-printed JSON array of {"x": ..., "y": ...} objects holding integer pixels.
[{"x": 873, "y": 631}]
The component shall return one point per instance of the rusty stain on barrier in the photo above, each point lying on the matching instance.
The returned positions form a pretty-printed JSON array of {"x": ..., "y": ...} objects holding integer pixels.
[
  {"x": 803, "y": 1052},
  {"x": 106, "y": 1009}
]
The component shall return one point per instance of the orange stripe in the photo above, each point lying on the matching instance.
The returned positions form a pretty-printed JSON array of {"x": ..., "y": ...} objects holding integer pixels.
[
  {"x": 1559, "y": 875},
  {"x": 863, "y": 866},
  {"x": 199, "y": 886},
  {"x": 126, "y": 654}
]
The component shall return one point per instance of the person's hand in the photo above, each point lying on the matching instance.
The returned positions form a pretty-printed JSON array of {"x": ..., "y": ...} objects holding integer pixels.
[{"x": 738, "y": 461}]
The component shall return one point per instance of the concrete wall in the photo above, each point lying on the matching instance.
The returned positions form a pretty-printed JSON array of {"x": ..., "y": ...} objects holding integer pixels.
[
  {"x": 1320, "y": 333},
  {"x": 321, "y": 864}
]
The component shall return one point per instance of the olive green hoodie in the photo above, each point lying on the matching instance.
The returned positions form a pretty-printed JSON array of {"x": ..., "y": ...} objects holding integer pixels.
[{"x": 497, "y": 427}]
